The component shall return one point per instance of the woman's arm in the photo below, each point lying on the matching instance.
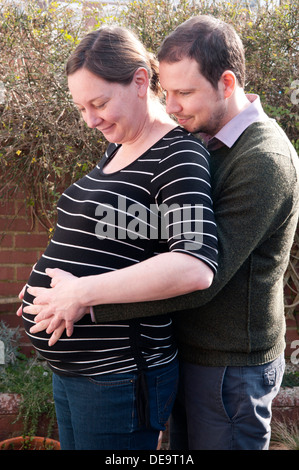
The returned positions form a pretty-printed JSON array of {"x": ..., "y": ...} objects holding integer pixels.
[
  {"x": 180, "y": 189},
  {"x": 160, "y": 277}
]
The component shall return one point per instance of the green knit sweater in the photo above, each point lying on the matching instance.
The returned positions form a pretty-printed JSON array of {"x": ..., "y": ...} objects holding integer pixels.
[{"x": 240, "y": 319}]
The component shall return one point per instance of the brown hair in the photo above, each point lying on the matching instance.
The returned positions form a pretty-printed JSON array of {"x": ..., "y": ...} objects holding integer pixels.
[
  {"x": 114, "y": 54},
  {"x": 213, "y": 43}
]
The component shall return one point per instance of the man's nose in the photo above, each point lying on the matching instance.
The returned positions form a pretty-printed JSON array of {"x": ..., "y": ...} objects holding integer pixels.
[{"x": 172, "y": 105}]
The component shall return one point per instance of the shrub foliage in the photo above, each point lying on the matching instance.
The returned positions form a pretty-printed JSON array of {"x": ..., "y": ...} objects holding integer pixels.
[{"x": 44, "y": 144}]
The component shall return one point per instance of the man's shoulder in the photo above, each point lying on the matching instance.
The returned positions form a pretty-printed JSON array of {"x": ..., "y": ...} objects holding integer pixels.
[
  {"x": 266, "y": 137},
  {"x": 265, "y": 149}
]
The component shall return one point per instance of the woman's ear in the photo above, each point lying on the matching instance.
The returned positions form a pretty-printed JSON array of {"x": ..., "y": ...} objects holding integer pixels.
[
  {"x": 229, "y": 81},
  {"x": 141, "y": 80}
]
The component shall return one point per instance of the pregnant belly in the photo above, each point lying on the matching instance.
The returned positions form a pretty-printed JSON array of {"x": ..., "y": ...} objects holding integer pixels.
[{"x": 39, "y": 278}]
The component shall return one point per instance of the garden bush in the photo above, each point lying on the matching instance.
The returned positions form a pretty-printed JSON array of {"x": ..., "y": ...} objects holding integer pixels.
[
  {"x": 44, "y": 144},
  {"x": 271, "y": 39}
]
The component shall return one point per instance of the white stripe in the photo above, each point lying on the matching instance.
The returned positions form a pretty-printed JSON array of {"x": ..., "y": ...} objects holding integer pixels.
[
  {"x": 180, "y": 164},
  {"x": 185, "y": 178},
  {"x": 186, "y": 163},
  {"x": 95, "y": 235},
  {"x": 204, "y": 258},
  {"x": 78, "y": 263},
  {"x": 157, "y": 326},
  {"x": 191, "y": 220},
  {"x": 119, "y": 182},
  {"x": 115, "y": 194},
  {"x": 181, "y": 208},
  {"x": 155, "y": 339},
  {"x": 194, "y": 142},
  {"x": 93, "y": 249},
  {"x": 135, "y": 171},
  {"x": 184, "y": 194}
]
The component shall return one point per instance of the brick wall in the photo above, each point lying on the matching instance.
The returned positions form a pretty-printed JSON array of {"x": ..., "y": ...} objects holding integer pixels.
[{"x": 22, "y": 241}]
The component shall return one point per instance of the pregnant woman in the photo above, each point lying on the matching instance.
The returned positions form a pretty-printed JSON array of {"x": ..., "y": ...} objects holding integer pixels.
[{"x": 139, "y": 226}]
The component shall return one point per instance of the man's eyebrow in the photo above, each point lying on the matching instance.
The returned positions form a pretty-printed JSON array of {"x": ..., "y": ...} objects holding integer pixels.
[{"x": 180, "y": 89}]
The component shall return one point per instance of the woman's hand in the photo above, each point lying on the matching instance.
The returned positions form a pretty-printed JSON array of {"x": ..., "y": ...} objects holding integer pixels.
[
  {"x": 56, "y": 335},
  {"x": 21, "y": 297},
  {"x": 57, "y": 308}
]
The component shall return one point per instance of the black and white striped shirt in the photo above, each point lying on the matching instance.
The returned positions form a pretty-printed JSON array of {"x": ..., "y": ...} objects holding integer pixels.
[{"x": 110, "y": 221}]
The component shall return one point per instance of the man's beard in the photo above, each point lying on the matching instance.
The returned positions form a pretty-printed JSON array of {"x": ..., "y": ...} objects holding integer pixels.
[{"x": 214, "y": 125}]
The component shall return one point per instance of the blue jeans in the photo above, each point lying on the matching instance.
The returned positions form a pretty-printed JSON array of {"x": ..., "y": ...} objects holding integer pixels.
[
  {"x": 225, "y": 408},
  {"x": 95, "y": 413}
]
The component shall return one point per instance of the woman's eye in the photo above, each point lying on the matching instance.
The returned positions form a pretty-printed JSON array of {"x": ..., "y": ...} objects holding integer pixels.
[{"x": 100, "y": 106}]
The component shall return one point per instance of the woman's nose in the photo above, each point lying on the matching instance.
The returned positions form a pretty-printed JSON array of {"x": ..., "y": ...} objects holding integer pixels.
[{"x": 92, "y": 119}]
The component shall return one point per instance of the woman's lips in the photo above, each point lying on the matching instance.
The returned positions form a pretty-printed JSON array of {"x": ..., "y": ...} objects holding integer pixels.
[{"x": 107, "y": 129}]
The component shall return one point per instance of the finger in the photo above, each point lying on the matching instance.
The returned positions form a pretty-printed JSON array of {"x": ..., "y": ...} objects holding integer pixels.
[
  {"x": 54, "y": 324},
  {"x": 45, "y": 312},
  {"x": 51, "y": 272},
  {"x": 32, "y": 309},
  {"x": 57, "y": 334},
  {"x": 21, "y": 294},
  {"x": 19, "y": 312},
  {"x": 39, "y": 293},
  {"x": 69, "y": 328},
  {"x": 41, "y": 312},
  {"x": 40, "y": 326},
  {"x": 55, "y": 280}
]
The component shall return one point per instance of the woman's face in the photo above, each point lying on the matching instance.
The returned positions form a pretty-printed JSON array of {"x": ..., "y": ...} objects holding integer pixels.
[{"x": 112, "y": 108}]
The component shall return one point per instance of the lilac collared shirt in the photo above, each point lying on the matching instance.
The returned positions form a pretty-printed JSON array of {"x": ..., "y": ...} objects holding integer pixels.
[{"x": 229, "y": 134}]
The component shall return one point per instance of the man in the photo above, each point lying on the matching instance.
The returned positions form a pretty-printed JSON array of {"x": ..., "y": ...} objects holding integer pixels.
[{"x": 230, "y": 336}]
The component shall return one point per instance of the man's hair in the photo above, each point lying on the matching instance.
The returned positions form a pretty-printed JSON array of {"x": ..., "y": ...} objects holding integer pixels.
[{"x": 214, "y": 44}]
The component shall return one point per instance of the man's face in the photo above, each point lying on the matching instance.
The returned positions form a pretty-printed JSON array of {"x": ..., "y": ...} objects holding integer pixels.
[{"x": 191, "y": 98}]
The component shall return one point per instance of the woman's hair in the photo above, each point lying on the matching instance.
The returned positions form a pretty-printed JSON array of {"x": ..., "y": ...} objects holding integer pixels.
[
  {"x": 213, "y": 43},
  {"x": 114, "y": 53}
]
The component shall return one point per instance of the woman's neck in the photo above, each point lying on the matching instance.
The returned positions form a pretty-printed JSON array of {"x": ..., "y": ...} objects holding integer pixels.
[{"x": 156, "y": 124}]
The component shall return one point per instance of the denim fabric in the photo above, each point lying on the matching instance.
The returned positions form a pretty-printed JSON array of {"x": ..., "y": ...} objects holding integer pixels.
[
  {"x": 225, "y": 408},
  {"x": 100, "y": 412}
]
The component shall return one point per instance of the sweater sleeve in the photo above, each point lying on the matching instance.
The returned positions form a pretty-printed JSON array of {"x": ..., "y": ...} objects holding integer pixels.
[{"x": 253, "y": 198}]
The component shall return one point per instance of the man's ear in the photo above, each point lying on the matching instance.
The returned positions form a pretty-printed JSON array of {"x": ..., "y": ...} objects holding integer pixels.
[
  {"x": 141, "y": 79},
  {"x": 229, "y": 82}
]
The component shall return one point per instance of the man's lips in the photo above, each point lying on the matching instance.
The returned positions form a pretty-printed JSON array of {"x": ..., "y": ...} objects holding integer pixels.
[{"x": 183, "y": 119}]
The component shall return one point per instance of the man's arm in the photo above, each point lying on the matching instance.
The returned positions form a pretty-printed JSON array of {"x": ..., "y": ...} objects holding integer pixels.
[{"x": 254, "y": 199}]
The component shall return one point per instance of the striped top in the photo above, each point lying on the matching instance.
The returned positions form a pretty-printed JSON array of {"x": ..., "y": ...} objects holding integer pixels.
[{"x": 159, "y": 202}]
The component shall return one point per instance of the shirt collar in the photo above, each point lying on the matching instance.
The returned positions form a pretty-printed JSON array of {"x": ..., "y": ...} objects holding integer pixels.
[{"x": 230, "y": 133}]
